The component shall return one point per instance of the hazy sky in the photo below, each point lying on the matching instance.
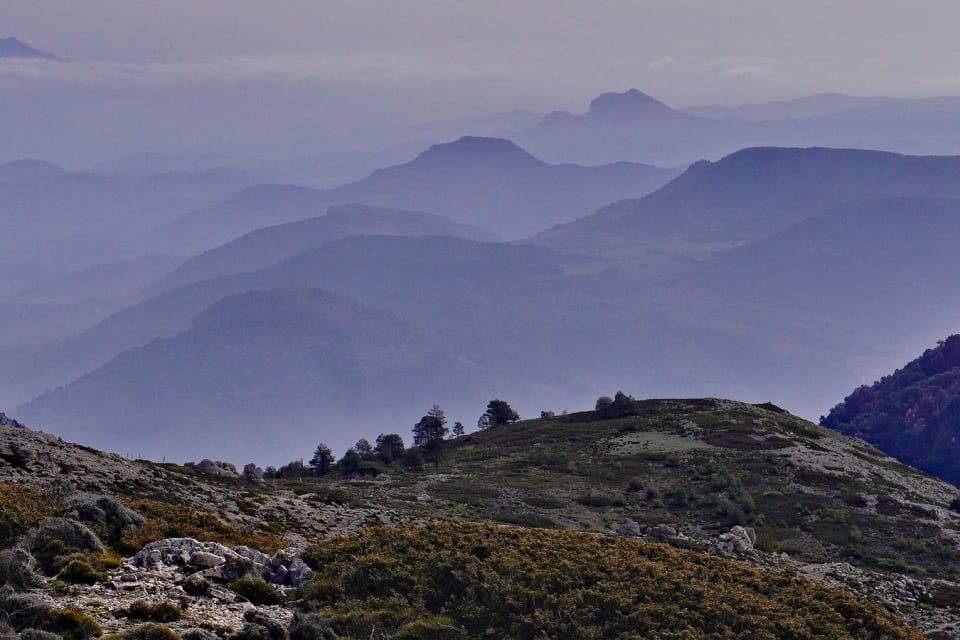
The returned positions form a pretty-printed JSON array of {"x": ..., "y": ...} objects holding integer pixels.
[
  {"x": 363, "y": 61},
  {"x": 542, "y": 52}
]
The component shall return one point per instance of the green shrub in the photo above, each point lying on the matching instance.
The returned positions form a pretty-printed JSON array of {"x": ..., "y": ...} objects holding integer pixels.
[
  {"x": 80, "y": 572},
  {"x": 310, "y": 626},
  {"x": 73, "y": 624},
  {"x": 256, "y": 591},
  {"x": 677, "y": 498},
  {"x": 151, "y": 632},
  {"x": 563, "y": 584},
  {"x": 433, "y": 628},
  {"x": 110, "y": 560},
  {"x": 159, "y": 612}
]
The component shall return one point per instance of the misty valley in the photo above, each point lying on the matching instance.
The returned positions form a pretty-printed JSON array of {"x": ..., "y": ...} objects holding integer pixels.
[{"x": 632, "y": 372}]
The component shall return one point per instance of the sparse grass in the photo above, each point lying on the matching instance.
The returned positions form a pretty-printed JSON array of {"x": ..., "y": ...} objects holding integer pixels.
[{"x": 467, "y": 491}]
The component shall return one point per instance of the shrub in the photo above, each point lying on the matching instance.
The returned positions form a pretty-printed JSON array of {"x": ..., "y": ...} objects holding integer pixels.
[
  {"x": 22, "y": 610},
  {"x": 252, "y": 632},
  {"x": 621, "y": 405},
  {"x": 107, "y": 515},
  {"x": 38, "y": 634},
  {"x": 260, "y": 625},
  {"x": 413, "y": 459},
  {"x": 80, "y": 572},
  {"x": 256, "y": 591},
  {"x": 677, "y": 498},
  {"x": 309, "y": 626},
  {"x": 20, "y": 508},
  {"x": 564, "y": 584},
  {"x": 72, "y": 624},
  {"x": 54, "y": 533},
  {"x": 196, "y": 585},
  {"x": 110, "y": 560},
  {"x": 593, "y": 499},
  {"x": 159, "y": 612},
  {"x": 18, "y": 569},
  {"x": 434, "y": 628},
  {"x": 320, "y": 590},
  {"x": 151, "y": 632},
  {"x": 165, "y": 520}
]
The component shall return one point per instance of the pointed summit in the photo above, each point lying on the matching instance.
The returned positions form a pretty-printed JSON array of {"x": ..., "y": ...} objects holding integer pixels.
[
  {"x": 13, "y": 48},
  {"x": 629, "y": 105}
]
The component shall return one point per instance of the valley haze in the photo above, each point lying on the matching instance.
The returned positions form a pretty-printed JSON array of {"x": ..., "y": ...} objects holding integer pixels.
[{"x": 217, "y": 233}]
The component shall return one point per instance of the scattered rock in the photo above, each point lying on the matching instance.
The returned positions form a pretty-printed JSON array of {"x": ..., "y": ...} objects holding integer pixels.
[
  {"x": 230, "y": 570},
  {"x": 217, "y": 468},
  {"x": 10, "y": 422},
  {"x": 222, "y": 564},
  {"x": 628, "y": 528},
  {"x": 179, "y": 551},
  {"x": 661, "y": 531},
  {"x": 737, "y": 540},
  {"x": 205, "y": 559}
]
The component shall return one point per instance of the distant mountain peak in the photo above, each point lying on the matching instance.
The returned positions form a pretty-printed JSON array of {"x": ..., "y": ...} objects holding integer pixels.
[
  {"x": 12, "y": 48},
  {"x": 28, "y": 167},
  {"x": 628, "y": 105},
  {"x": 477, "y": 149}
]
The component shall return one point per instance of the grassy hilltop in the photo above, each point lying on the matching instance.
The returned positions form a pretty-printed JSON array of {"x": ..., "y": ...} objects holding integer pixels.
[{"x": 511, "y": 534}]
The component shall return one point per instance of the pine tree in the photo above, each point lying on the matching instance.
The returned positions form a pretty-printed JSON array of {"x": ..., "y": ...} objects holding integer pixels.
[{"x": 322, "y": 459}]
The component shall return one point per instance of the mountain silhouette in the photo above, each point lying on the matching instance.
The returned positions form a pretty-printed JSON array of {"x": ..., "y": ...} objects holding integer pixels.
[
  {"x": 13, "y": 48},
  {"x": 757, "y": 192},
  {"x": 483, "y": 182}
]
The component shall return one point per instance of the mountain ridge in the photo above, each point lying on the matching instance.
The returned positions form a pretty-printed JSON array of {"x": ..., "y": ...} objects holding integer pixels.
[
  {"x": 489, "y": 183},
  {"x": 710, "y": 200}
]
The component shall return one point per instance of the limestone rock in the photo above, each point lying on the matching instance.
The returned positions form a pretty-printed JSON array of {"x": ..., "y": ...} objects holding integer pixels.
[
  {"x": 661, "y": 531},
  {"x": 737, "y": 540},
  {"x": 628, "y": 528},
  {"x": 216, "y": 468},
  {"x": 179, "y": 551},
  {"x": 205, "y": 559}
]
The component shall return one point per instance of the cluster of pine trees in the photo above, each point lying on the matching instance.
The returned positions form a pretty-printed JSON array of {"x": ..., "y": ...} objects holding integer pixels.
[{"x": 430, "y": 435}]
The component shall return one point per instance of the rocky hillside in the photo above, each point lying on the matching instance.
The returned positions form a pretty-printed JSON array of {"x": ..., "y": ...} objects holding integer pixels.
[
  {"x": 754, "y": 502},
  {"x": 912, "y": 414}
]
